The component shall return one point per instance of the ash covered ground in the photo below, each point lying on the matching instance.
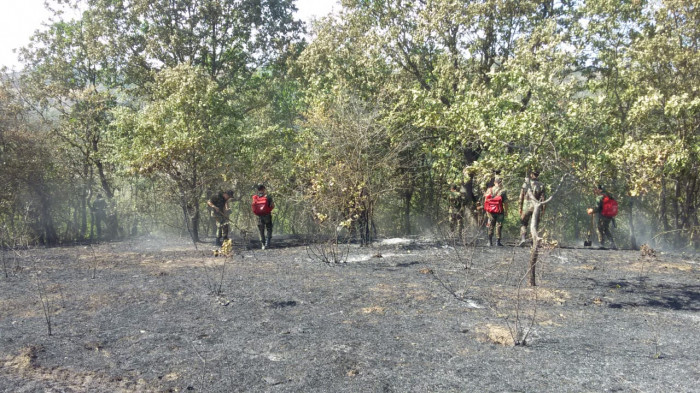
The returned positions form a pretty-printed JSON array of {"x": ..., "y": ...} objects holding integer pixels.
[{"x": 404, "y": 315}]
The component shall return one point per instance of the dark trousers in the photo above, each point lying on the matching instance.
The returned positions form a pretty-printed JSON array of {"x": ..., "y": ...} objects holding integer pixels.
[
  {"x": 265, "y": 222},
  {"x": 100, "y": 217},
  {"x": 495, "y": 223},
  {"x": 604, "y": 230},
  {"x": 525, "y": 222},
  {"x": 222, "y": 228}
]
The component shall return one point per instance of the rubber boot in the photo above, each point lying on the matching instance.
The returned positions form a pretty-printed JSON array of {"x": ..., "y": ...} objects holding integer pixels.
[
  {"x": 523, "y": 240},
  {"x": 267, "y": 242},
  {"x": 490, "y": 240},
  {"x": 498, "y": 243}
]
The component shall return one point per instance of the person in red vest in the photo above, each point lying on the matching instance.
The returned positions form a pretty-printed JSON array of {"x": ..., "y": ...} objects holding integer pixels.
[
  {"x": 496, "y": 207},
  {"x": 262, "y": 207},
  {"x": 606, "y": 207}
]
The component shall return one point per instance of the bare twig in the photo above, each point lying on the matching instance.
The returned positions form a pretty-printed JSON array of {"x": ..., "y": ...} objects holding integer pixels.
[
  {"x": 204, "y": 361},
  {"x": 5, "y": 268},
  {"x": 44, "y": 299},
  {"x": 93, "y": 267},
  {"x": 328, "y": 251}
]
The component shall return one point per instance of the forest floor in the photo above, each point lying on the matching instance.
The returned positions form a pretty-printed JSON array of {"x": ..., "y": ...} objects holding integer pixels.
[{"x": 404, "y": 315}]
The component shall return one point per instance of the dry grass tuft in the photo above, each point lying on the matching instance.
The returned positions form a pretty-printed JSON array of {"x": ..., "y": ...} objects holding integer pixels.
[
  {"x": 373, "y": 310},
  {"x": 539, "y": 294},
  {"x": 658, "y": 267},
  {"x": 496, "y": 334},
  {"x": 63, "y": 379},
  {"x": 551, "y": 295},
  {"x": 25, "y": 360},
  {"x": 647, "y": 251}
]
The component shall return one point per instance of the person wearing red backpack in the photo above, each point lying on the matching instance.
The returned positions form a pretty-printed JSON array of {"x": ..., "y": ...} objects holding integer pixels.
[
  {"x": 606, "y": 208},
  {"x": 262, "y": 207},
  {"x": 496, "y": 207}
]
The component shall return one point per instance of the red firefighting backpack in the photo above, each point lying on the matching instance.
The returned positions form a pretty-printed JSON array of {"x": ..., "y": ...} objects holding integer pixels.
[
  {"x": 493, "y": 204},
  {"x": 260, "y": 205},
  {"x": 609, "y": 209}
]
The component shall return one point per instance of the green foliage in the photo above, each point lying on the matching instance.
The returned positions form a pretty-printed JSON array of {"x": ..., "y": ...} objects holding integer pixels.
[
  {"x": 562, "y": 87},
  {"x": 387, "y": 104},
  {"x": 182, "y": 132}
]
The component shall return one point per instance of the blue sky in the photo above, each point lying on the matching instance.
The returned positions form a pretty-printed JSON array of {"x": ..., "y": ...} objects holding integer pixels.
[{"x": 20, "y": 18}]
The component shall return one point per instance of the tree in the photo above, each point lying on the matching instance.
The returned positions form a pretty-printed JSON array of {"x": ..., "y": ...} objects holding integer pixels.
[
  {"x": 453, "y": 76},
  {"x": 183, "y": 134},
  {"x": 79, "y": 70},
  {"x": 231, "y": 40},
  {"x": 68, "y": 84},
  {"x": 666, "y": 113},
  {"x": 349, "y": 165},
  {"x": 28, "y": 172},
  {"x": 643, "y": 66}
]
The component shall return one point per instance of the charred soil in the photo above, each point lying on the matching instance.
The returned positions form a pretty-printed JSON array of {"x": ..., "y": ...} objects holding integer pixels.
[{"x": 403, "y": 315}]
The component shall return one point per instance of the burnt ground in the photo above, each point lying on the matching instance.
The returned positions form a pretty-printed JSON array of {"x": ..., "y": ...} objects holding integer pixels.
[{"x": 400, "y": 316}]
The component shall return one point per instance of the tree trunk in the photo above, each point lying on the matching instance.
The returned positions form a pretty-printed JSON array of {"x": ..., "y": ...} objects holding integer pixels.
[
  {"x": 87, "y": 173},
  {"x": 48, "y": 234},
  {"x": 109, "y": 192},
  {"x": 193, "y": 205},
  {"x": 533, "y": 263},
  {"x": 112, "y": 223},
  {"x": 188, "y": 222},
  {"x": 470, "y": 200},
  {"x": 689, "y": 210},
  {"x": 677, "y": 213},
  {"x": 83, "y": 213},
  {"x": 662, "y": 206},
  {"x": 190, "y": 212},
  {"x": 633, "y": 238},
  {"x": 534, "y": 249},
  {"x": 433, "y": 202},
  {"x": 194, "y": 223},
  {"x": 93, "y": 221},
  {"x": 75, "y": 225},
  {"x": 693, "y": 212},
  {"x": 407, "y": 196}
]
